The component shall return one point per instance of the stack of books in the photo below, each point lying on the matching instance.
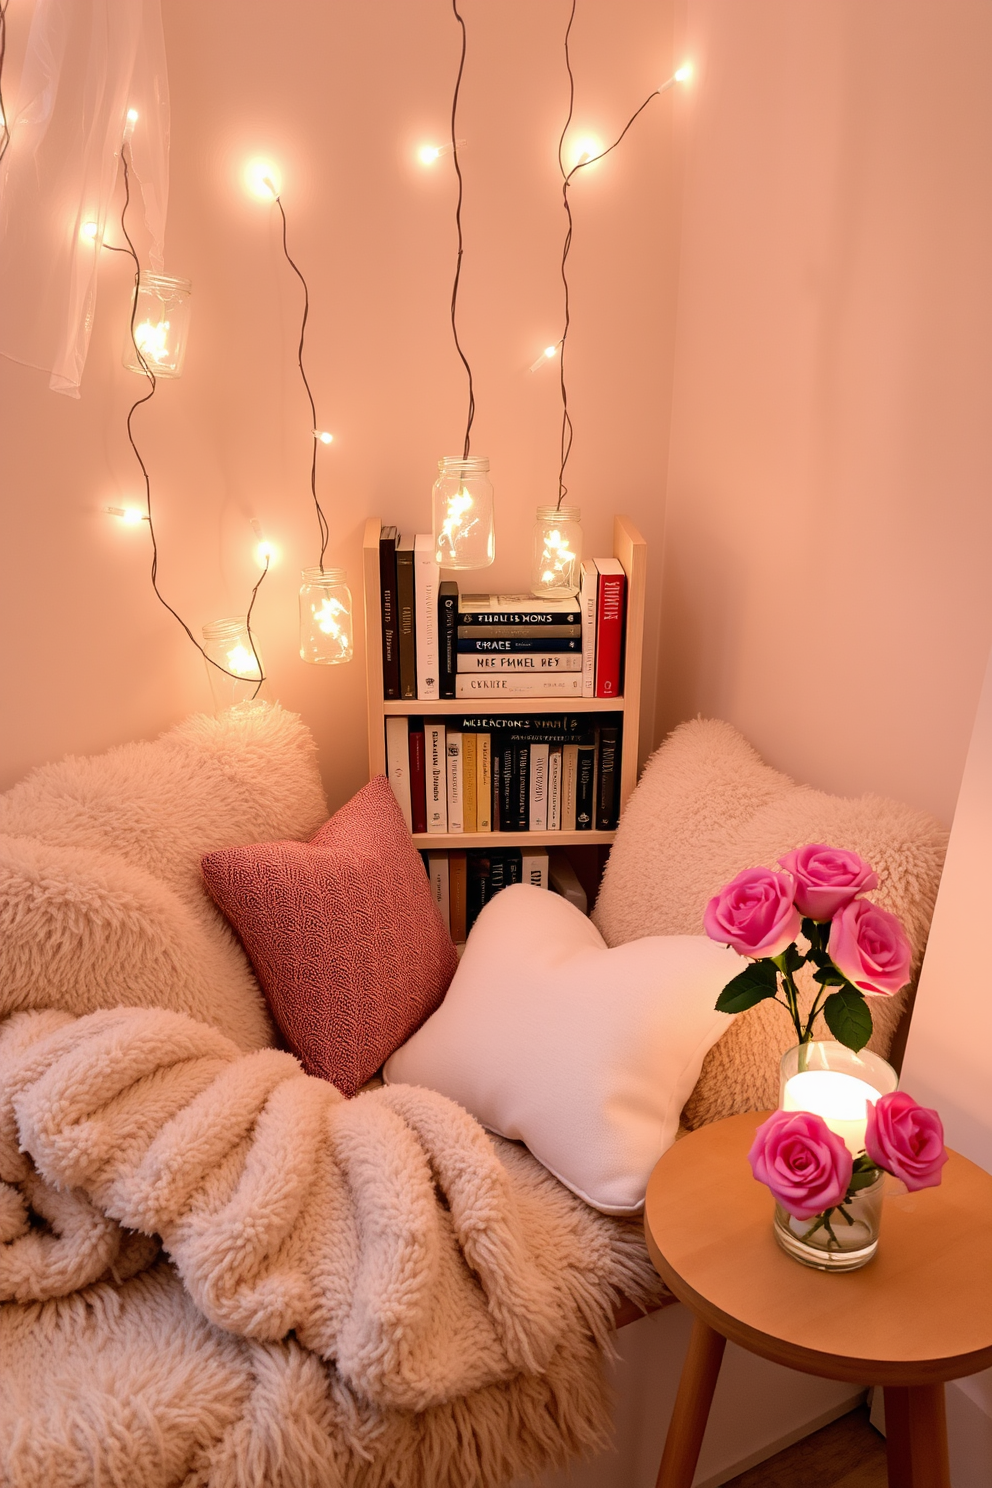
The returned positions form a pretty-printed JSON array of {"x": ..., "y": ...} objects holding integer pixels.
[
  {"x": 437, "y": 643},
  {"x": 505, "y": 772},
  {"x": 464, "y": 882}
]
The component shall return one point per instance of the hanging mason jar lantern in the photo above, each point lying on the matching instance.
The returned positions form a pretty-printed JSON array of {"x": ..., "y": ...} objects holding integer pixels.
[
  {"x": 161, "y": 325},
  {"x": 228, "y": 643},
  {"x": 557, "y": 552},
  {"x": 464, "y": 534},
  {"x": 327, "y": 634}
]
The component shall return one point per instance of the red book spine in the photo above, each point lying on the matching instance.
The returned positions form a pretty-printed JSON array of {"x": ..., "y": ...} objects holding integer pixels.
[
  {"x": 418, "y": 780},
  {"x": 609, "y": 634}
]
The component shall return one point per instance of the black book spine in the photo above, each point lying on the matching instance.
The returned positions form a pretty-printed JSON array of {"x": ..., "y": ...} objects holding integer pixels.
[
  {"x": 521, "y": 787},
  {"x": 518, "y": 618},
  {"x": 513, "y": 866},
  {"x": 478, "y": 888},
  {"x": 447, "y": 613},
  {"x": 584, "y": 804},
  {"x": 406, "y": 622},
  {"x": 507, "y": 805},
  {"x": 608, "y": 780},
  {"x": 497, "y": 872},
  {"x": 387, "y": 596}
]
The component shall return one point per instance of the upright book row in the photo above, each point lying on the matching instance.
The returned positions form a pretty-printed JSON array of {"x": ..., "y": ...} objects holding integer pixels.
[
  {"x": 437, "y": 643},
  {"x": 463, "y": 883},
  {"x": 506, "y": 773}
]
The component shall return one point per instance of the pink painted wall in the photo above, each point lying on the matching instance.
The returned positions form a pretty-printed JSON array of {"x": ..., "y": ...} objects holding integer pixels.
[
  {"x": 341, "y": 96},
  {"x": 826, "y": 582}
]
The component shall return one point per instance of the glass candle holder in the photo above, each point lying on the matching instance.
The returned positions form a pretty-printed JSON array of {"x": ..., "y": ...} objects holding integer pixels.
[
  {"x": 840, "y": 1239},
  {"x": 327, "y": 633},
  {"x": 557, "y": 552},
  {"x": 161, "y": 325},
  {"x": 464, "y": 532},
  {"x": 228, "y": 644},
  {"x": 832, "y": 1081}
]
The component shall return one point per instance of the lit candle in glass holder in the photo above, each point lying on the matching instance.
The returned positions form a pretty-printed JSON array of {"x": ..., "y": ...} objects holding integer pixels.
[
  {"x": 836, "y": 1084},
  {"x": 161, "y": 326},
  {"x": 326, "y": 625}
]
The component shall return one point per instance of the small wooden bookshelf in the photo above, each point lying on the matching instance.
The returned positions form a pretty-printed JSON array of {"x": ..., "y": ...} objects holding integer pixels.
[{"x": 630, "y": 548}]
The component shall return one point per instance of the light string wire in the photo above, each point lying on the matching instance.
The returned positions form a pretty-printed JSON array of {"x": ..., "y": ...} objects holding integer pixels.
[
  {"x": 458, "y": 225},
  {"x": 321, "y": 518},
  {"x": 567, "y": 176},
  {"x": 4, "y": 126},
  {"x": 153, "y": 380}
]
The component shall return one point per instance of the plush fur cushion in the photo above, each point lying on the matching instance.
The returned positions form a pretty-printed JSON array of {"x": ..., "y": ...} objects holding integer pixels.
[
  {"x": 101, "y": 898},
  {"x": 344, "y": 934},
  {"x": 707, "y": 807}
]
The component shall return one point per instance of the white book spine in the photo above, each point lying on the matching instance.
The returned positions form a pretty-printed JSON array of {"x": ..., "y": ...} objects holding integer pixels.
[
  {"x": 534, "y": 867},
  {"x": 398, "y": 765},
  {"x": 426, "y": 578},
  {"x": 456, "y": 783},
  {"x": 554, "y": 788},
  {"x": 588, "y": 604},
  {"x": 437, "y": 785},
  {"x": 527, "y": 663},
  {"x": 440, "y": 885},
  {"x": 569, "y": 782},
  {"x": 548, "y": 684},
  {"x": 538, "y": 814}
]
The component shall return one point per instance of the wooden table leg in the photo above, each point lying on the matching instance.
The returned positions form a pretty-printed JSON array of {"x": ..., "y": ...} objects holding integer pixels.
[
  {"x": 916, "y": 1437},
  {"x": 692, "y": 1407}
]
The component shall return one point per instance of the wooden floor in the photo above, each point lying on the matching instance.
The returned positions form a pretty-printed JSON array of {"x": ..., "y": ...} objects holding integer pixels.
[{"x": 849, "y": 1453}]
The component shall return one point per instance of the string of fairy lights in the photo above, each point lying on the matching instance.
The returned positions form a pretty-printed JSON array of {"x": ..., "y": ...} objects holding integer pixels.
[{"x": 463, "y": 498}]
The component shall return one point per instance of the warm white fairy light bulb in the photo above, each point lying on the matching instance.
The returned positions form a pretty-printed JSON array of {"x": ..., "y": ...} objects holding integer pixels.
[
  {"x": 547, "y": 355},
  {"x": 460, "y": 503},
  {"x": 132, "y": 116},
  {"x": 585, "y": 150},
  {"x": 129, "y": 515},
  {"x": 241, "y": 661},
  {"x": 266, "y": 553},
  {"x": 262, "y": 179},
  {"x": 90, "y": 231},
  {"x": 323, "y": 436},
  {"x": 682, "y": 74},
  {"x": 152, "y": 340},
  {"x": 427, "y": 154}
]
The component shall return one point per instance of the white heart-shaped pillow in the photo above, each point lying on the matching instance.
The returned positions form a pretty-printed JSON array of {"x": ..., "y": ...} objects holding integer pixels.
[{"x": 585, "y": 1053}]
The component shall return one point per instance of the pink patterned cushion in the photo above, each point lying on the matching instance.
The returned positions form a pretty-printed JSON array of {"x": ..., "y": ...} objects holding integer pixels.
[{"x": 343, "y": 933}]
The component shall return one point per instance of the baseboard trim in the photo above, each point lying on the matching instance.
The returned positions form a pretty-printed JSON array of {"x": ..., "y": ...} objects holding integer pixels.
[{"x": 791, "y": 1437}]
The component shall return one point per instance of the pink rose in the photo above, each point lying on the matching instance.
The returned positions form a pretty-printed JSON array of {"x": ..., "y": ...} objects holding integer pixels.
[
  {"x": 870, "y": 947},
  {"x": 905, "y": 1139},
  {"x": 827, "y": 878},
  {"x": 806, "y": 1165},
  {"x": 754, "y": 914}
]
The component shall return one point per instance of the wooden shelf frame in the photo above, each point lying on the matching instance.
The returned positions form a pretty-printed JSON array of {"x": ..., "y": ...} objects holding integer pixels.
[{"x": 631, "y": 549}]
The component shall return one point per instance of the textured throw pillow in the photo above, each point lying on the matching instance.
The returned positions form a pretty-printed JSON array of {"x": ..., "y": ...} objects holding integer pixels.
[
  {"x": 101, "y": 897},
  {"x": 344, "y": 934},
  {"x": 707, "y": 807},
  {"x": 584, "y": 1053}
]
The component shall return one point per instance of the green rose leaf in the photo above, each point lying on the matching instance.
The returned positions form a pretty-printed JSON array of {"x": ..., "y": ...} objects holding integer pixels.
[
  {"x": 862, "y": 1180},
  {"x": 848, "y": 1018},
  {"x": 753, "y": 985},
  {"x": 812, "y": 933},
  {"x": 829, "y": 976}
]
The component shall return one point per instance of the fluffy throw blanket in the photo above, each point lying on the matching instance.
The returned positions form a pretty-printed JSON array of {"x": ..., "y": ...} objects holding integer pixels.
[{"x": 451, "y": 1300}]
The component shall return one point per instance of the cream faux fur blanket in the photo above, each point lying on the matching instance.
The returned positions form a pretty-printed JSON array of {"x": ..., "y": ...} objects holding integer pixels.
[{"x": 389, "y": 1235}]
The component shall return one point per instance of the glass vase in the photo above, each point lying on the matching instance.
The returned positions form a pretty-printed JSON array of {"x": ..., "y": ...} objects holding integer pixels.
[
  {"x": 327, "y": 635},
  {"x": 237, "y": 668},
  {"x": 557, "y": 552},
  {"x": 161, "y": 325},
  {"x": 464, "y": 530},
  {"x": 840, "y": 1239},
  {"x": 832, "y": 1081}
]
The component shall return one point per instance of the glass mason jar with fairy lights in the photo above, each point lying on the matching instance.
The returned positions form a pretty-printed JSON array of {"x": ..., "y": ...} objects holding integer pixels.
[
  {"x": 161, "y": 325},
  {"x": 557, "y": 552},
  {"x": 464, "y": 533},
  {"x": 237, "y": 663},
  {"x": 327, "y": 634}
]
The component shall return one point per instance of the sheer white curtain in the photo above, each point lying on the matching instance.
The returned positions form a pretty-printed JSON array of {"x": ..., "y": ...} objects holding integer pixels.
[{"x": 87, "y": 62}]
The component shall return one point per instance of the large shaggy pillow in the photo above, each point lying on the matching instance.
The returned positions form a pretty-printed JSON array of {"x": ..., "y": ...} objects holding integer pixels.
[
  {"x": 344, "y": 934},
  {"x": 707, "y": 807},
  {"x": 101, "y": 897},
  {"x": 585, "y": 1053}
]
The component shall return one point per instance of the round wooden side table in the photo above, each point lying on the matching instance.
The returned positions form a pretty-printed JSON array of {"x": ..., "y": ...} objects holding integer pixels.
[{"x": 918, "y": 1314}]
